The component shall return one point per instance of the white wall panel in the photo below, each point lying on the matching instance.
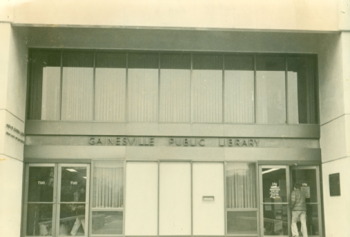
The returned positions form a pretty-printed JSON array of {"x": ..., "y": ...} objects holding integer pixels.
[
  {"x": 141, "y": 210},
  {"x": 175, "y": 198},
  {"x": 208, "y": 216}
]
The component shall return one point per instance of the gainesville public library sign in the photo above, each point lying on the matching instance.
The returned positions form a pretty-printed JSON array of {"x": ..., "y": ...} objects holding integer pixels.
[{"x": 180, "y": 142}]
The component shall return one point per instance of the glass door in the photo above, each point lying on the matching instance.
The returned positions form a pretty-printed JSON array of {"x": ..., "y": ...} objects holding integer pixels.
[
  {"x": 308, "y": 177},
  {"x": 274, "y": 200}
]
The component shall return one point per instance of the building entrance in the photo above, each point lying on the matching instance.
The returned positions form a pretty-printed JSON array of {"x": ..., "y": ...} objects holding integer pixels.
[{"x": 276, "y": 185}]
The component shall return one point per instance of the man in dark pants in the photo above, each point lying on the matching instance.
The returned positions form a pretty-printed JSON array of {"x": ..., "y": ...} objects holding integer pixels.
[{"x": 298, "y": 207}]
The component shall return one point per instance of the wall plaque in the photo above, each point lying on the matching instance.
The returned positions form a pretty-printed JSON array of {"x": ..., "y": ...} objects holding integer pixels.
[{"x": 334, "y": 184}]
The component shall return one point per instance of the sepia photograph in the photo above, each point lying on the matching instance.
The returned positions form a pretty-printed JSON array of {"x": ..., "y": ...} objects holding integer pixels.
[{"x": 175, "y": 118}]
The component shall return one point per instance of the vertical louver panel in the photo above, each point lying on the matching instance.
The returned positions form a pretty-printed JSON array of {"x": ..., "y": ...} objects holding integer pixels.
[
  {"x": 239, "y": 89},
  {"x": 44, "y": 85},
  {"x": 206, "y": 89},
  {"x": 110, "y": 87},
  {"x": 239, "y": 97},
  {"x": 108, "y": 185},
  {"x": 51, "y": 94},
  {"x": 77, "y": 87},
  {"x": 110, "y": 94},
  {"x": 241, "y": 185},
  {"x": 271, "y": 90},
  {"x": 175, "y": 88},
  {"x": 143, "y": 88}
]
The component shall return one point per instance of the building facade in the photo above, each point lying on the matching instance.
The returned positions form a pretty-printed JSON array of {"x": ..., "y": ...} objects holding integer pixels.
[{"x": 173, "y": 119}]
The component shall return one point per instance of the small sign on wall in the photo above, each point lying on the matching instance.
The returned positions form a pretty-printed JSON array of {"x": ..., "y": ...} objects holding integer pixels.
[{"x": 334, "y": 184}]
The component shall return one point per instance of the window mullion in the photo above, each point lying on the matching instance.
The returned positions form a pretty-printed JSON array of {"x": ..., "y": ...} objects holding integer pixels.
[
  {"x": 254, "y": 93},
  {"x": 286, "y": 88},
  {"x": 94, "y": 88},
  {"x": 57, "y": 197},
  {"x": 61, "y": 83}
]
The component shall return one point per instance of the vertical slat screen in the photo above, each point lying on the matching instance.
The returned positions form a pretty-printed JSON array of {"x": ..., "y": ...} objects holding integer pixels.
[
  {"x": 108, "y": 185},
  {"x": 143, "y": 87},
  {"x": 270, "y": 86},
  {"x": 110, "y": 87},
  {"x": 292, "y": 100},
  {"x": 241, "y": 185},
  {"x": 118, "y": 91},
  {"x": 302, "y": 70},
  {"x": 175, "y": 88},
  {"x": 51, "y": 95},
  {"x": 239, "y": 89},
  {"x": 310, "y": 65},
  {"x": 44, "y": 85},
  {"x": 206, "y": 88},
  {"x": 77, "y": 86}
]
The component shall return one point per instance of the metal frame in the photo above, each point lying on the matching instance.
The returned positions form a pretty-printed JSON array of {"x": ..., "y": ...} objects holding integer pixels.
[
  {"x": 286, "y": 87},
  {"x": 286, "y": 167},
  {"x": 257, "y": 209},
  {"x": 191, "y": 100},
  {"x": 87, "y": 192},
  {"x": 223, "y": 89},
  {"x": 91, "y": 209},
  {"x": 94, "y": 89},
  {"x": 319, "y": 197},
  {"x": 223, "y": 54},
  {"x": 56, "y": 203},
  {"x": 26, "y": 189}
]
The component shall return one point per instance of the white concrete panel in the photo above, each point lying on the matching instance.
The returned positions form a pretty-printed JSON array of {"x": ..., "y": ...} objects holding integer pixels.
[
  {"x": 347, "y": 134},
  {"x": 5, "y": 38},
  {"x": 336, "y": 214},
  {"x": 11, "y": 176},
  {"x": 6, "y": 11},
  {"x": 141, "y": 210},
  {"x": 345, "y": 40},
  {"x": 344, "y": 14},
  {"x": 13, "y": 135},
  {"x": 2, "y": 130},
  {"x": 289, "y": 14},
  {"x": 331, "y": 86},
  {"x": 333, "y": 139},
  {"x": 208, "y": 215},
  {"x": 17, "y": 75},
  {"x": 175, "y": 198}
]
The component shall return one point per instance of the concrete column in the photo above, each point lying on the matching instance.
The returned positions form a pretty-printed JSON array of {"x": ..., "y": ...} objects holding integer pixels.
[
  {"x": 13, "y": 74},
  {"x": 334, "y": 68}
]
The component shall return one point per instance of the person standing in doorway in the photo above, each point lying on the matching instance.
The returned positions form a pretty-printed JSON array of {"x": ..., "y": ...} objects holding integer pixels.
[{"x": 298, "y": 207}]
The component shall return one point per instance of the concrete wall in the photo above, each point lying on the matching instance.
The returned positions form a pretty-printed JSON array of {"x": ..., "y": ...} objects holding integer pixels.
[
  {"x": 13, "y": 76},
  {"x": 287, "y": 15},
  {"x": 334, "y": 79}
]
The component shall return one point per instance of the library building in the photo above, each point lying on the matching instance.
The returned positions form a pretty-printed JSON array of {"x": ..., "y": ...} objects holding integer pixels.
[{"x": 162, "y": 119}]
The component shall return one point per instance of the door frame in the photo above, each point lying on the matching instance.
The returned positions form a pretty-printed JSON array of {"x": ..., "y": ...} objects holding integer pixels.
[
  {"x": 261, "y": 202},
  {"x": 318, "y": 189}
]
